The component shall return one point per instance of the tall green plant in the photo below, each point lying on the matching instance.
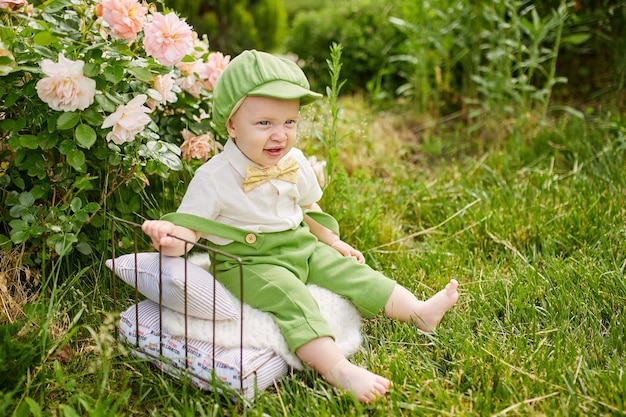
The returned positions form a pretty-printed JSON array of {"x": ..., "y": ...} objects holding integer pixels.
[
  {"x": 438, "y": 41},
  {"x": 521, "y": 48},
  {"x": 498, "y": 56},
  {"x": 332, "y": 93}
]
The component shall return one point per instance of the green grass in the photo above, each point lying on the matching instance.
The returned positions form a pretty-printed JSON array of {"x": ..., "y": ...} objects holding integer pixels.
[{"x": 529, "y": 217}]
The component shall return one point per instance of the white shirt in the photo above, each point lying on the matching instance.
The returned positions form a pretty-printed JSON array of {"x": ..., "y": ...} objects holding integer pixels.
[{"x": 216, "y": 193}]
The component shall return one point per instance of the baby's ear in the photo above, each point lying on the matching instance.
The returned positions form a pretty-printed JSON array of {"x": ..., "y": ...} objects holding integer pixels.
[{"x": 230, "y": 127}]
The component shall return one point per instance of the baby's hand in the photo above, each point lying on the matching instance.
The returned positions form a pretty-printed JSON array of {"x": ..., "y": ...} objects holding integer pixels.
[
  {"x": 160, "y": 231},
  {"x": 347, "y": 250}
]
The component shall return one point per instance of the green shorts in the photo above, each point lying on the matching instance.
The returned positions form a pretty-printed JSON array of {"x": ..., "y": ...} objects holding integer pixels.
[{"x": 276, "y": 268}]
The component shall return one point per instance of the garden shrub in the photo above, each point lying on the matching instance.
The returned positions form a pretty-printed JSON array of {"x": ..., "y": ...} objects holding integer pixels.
[
  {"x": 446, "y": 56},
  {"x": 369, "y": 40},
  {"x": 236, "y": 25},
  {"x": 92, "y": 111}
]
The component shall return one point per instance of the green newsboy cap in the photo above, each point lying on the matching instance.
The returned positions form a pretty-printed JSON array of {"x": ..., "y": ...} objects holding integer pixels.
[{"x": 255, "y": 73}]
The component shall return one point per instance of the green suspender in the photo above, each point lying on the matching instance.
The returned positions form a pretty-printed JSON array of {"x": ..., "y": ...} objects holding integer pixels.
[
  {"x": 212, "y": 227},
  {"x": 207, "y": 226}
]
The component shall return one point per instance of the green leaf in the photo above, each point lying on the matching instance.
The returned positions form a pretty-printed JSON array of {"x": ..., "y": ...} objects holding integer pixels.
[
  {"x": 8, "y": 125},
  {"x": 68, "y": 120},
  {"x": 11, "y": 98},
  {"x": 106, "y": 103},
  {"x": 76, "y": 158},
  {"x": 29, "y": 141},
  {"x": 81, "y": 217},
  {"x": 14, "y": 142},
  {"x": 141, "y": 74},
  {"x": 91, "y": 69},
  {"x": 62, "y": 242},
  {"x": 76, "y": 204},
  {"x": 7, "y": 34},
  {"x": 17, "y": 211},
  {"x": 19, "y": 225},
  {"x": 97, "y": 221},
  {"x": 114, "y": 74},
  {"x": 17, "y": 180},
  {"x": 84, "y": 183},
  {"x": 164, "y": 152},
  {"x": 120, "y": 48},
  {"x": 570, "y": 110},
  {"x": 92, "y": 117},
  {"x": 91, "y": 207},
  {"x": 27, "y": 199},
  {"x": 38, "y": 191},
  {"x": 5, "y": 243},
  {"x": 53, "y": 6},
  {"x": 52, "y": 122},
  {"x": 48, "y": 140},
  {"x": 44, "y": 38},
  {"x": 84, "y": 248},
  {"x": 34, "y": 407},
  {"x": 576, "y": 39},
  {"x": 20, "y": 236},
  {"x": 67, "y": 146},
  {"x": 85, "y": 135}
]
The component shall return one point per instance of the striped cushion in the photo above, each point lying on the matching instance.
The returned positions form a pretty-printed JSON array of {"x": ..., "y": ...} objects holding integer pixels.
[
  {"x": 142, "y": 270},
  {"x": 246, "y": 371}
]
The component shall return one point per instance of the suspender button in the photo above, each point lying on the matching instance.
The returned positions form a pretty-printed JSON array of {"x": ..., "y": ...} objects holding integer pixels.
[{"x": 251, "y": 238}]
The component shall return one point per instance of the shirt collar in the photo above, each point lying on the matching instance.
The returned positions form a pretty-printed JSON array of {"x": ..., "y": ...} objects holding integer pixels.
[{"x": 236, "y": 158}]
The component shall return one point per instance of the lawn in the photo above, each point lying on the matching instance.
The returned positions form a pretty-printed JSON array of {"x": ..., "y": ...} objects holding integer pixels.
[
  {"x": 528, "y": 215},
  {"x": 467, "y": 156}
]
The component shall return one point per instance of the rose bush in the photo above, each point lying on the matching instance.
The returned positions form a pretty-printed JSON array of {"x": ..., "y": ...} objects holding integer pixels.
[{"x": 97, "y": 99}]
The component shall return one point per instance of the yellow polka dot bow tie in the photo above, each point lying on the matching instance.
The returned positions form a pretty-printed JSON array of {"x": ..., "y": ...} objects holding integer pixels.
[{"x": 286, "y": 170}]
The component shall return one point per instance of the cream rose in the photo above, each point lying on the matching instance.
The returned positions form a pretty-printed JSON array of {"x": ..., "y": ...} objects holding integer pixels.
[
  {"x": 165, "y": 86},
  {"x": 127, "y": 121},
  {"x": 65, "y": 87}
]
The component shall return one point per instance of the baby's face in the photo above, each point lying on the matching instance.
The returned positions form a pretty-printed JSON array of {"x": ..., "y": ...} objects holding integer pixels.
[{"x": 264, "y": 128}]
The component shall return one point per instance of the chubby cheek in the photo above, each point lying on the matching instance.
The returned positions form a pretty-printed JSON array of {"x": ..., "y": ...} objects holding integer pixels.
[{"x": 252, "y": 150}]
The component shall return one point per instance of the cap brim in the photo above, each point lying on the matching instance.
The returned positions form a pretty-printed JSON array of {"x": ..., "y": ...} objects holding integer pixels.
[{"x": 284, "y": 90}]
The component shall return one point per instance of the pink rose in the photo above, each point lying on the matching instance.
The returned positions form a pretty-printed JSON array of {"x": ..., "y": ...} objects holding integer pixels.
[
  {"x": 128, "y": 120},
  {"x": 65, "y": 87},
  {"x": 198, "y": 147},
  {"x": 216, "y": 63},
  {"x": 167, "y": 39},
  {"x": 199, "y": 75},
  {"x": 125, "y": 17},
  {"x": 12, "y": 4}
]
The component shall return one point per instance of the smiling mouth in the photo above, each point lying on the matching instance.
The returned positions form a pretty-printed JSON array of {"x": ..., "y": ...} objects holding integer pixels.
[{"x": 274, "y": 151}]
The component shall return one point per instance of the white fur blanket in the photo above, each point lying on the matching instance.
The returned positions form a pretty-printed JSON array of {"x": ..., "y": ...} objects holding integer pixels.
[{"x": 260, "y": 330}]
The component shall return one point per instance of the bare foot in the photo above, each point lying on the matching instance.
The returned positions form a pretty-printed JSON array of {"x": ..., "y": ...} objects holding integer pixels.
[
  {"x": 432, "y": 310},
  {"x": 365, "y": 385}
]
